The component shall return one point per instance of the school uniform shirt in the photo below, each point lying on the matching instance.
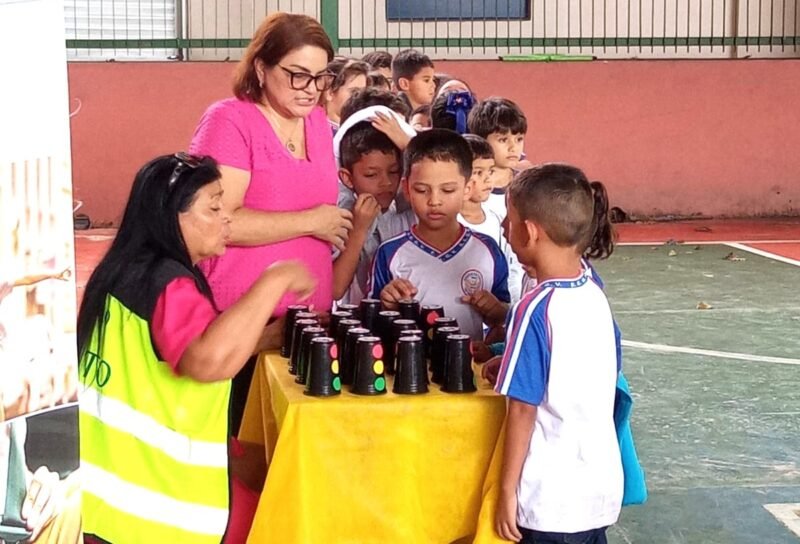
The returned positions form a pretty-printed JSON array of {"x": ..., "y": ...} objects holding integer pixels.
[
  {"x": 474, "y": 262},
  {"x": 497, "y": 203},
  {"x": 562, "y": 355},
  {"x": 492, "y": 226}
]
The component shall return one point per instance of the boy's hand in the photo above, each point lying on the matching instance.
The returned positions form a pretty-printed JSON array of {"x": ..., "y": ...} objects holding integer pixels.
[
  {"x": 505, "y": 519},
  {"x": 365, "y": 210},
  {"x": 480, "y": 351},
  {"x": 491, "y": 369},
  {"x": 395, "y": 291},
  {"x": 389, "y": 125},
  {"x": 492, "y": 310}
]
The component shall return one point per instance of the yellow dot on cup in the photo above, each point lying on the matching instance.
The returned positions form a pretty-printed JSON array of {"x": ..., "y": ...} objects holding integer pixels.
[
  {"x": 378, "y": 367},
  {"x": 335, "y": 366},
  {"x": 430, "y": 333}
]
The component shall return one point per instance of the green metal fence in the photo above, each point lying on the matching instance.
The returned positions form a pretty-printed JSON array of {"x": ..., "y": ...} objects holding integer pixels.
[{"x": 452, "y": 29}]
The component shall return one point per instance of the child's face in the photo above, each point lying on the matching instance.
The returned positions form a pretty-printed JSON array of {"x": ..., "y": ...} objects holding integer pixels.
[
  {"x": 420, "y": 122},
  {"x": 337, "y": 98},
  {"x": 375, "y": 173},
  {"x": 436, "y": 191},
  {"x": 507, "y": 148},
  {"x": 421, "y": 87},
  {"x": 480, "y": 183},
  {"x": 516, "y": 233}
]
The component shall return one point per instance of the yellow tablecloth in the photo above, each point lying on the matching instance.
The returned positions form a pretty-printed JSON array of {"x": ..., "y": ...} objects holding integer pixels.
[{"x": 353, "y": 469}]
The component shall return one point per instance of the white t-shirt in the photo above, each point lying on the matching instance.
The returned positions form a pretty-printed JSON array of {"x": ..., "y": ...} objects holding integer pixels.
[
  {"x": 474, "y": 262},
  {"x": 492, "y": 226},
  {"x": 497, "y": 203},
  {"x": 563, "y": 355}
]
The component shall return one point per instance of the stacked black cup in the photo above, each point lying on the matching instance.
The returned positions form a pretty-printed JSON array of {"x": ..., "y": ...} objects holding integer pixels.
[
  {"x": 439, "y": 352},
  {"x": 288, "y": 327},
  {"x": 368, "y": 313},
  {"x": 306, "y": 336},
  {"x": 322, "y": 378},
  {"x": 300, "y": 323},
  {"x": 458, "y": 376},
  {"x": 369, "y": 377},
  {"x": 412, "y": 372}
]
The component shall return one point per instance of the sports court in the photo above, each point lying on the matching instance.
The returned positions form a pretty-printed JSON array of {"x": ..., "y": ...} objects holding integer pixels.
[{"x": 717, "y": 405}]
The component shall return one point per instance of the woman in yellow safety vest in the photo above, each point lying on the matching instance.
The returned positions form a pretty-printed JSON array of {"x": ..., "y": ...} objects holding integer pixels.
[{"x": 156, "y": 361}]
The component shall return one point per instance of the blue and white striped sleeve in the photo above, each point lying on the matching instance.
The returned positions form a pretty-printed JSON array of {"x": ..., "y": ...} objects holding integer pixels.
[
  {"x": 380, "y": 275},
  {"x": 525, "y": 368}
]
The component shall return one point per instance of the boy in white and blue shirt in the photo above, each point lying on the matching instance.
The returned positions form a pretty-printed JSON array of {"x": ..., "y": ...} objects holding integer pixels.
[
  {"x": 562, "y": 473},
  {"x": 438, "y": 261}
]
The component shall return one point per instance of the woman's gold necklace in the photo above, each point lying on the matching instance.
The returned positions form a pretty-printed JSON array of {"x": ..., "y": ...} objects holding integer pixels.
[{"x": 288, "y": 142}]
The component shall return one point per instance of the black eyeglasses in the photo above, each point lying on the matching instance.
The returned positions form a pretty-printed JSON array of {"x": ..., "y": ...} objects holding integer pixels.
[
  {"x": 185, "y": 162},
  {"x": 301, "y": 80}
]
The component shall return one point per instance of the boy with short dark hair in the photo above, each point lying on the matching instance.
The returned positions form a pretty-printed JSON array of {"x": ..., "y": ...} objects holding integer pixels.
[
  {"x": 413, "y": 76},
  {"x": 503, "y": 124},
  {"x": 370, "y": 168},
  {"x": 438, "y": 261}
]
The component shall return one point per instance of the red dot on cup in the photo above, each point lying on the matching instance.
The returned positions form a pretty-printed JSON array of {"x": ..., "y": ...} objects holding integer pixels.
[
  {"x": 377, "y": 351},
  {"x": 432, "y": 317},
  {"x": 334, "y": 351}
]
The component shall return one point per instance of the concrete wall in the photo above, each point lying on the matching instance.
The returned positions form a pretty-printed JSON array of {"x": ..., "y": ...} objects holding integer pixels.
[{"x": 710, "y": 137}]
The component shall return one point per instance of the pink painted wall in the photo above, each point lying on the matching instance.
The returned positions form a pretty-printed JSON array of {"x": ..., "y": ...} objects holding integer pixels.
[{"x": 712, "y": 137}]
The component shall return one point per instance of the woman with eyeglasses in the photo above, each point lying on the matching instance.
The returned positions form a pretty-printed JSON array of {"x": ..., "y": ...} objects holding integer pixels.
[
  {"x": 275, "y": 150},
  {"x": 157, "y": 358}
]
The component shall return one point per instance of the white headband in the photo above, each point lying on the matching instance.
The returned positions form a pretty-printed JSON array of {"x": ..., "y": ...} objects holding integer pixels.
[{"x": 367, "y": 114}]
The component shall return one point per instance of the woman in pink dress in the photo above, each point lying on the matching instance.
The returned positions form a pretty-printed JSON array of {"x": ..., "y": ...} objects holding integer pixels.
[{"x": 275, "y": 151}]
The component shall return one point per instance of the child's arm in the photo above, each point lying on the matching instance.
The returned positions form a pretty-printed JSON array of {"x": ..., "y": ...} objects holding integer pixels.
[
  {"x": 365, "y": 210},
  {"x": 520, "y": 418},
  {"x": 491, "y": 309}
]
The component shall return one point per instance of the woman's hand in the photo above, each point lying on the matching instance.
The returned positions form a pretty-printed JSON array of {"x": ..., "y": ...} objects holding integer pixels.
[
  {"x": 294, "y": 276},
  {"x": 330, "y": 224},
  {"x": 389, "y": 125},
  {"x": 365, "y": 210}
]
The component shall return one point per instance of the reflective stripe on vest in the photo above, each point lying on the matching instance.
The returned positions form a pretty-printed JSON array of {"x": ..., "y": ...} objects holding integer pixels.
[{"x": 153, "y": 444}]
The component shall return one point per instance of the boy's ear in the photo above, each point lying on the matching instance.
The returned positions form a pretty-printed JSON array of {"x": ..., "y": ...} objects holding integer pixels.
[
  {"x": 533, "y": 231},
  {"x": 346, "y": 177},
  {"x": 403, "y": 83},
  {"x": 404, "y": 186}
]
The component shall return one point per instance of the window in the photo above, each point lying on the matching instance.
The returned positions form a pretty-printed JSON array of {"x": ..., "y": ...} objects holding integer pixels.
[{"x": 399, "y": 10}]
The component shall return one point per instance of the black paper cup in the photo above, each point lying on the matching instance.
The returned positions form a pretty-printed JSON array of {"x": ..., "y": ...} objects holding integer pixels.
[
  {"x": 341, "y": 331},
  {"x": 288, "y": 327},
  {"x": 412, "y": 373},
  {"x": 322, "y": 378},
  {"x": 398, "y": 326},
  {"x": 294, "y": 353},
  {"x": 409, "y": 308},
  {"x": 352, "y": 308},
  {"x": 386, "y": 333},
  {"x": 439, "y": 352},
  {"x": 368, "y": 313},
  {"x": 305, "y": 351},
  {"x": 347, "y": 354},
  {"x": 458, "y": 376},
  {"x": 337, "y": 316},
  {"x": 370, "y": 378}
]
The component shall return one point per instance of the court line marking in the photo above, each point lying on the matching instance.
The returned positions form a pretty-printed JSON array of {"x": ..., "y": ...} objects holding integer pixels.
[
  {"x": 786, "y": 513},
  {"x": 664, "y": 348},
  {"x": 707, "y": 242},
  {"x": 742, "y": 247},
  {"x": 779, "y": 309}
]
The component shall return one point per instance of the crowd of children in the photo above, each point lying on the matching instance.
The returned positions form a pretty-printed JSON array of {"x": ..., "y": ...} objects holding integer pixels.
[{"x": 448, "y": 210}]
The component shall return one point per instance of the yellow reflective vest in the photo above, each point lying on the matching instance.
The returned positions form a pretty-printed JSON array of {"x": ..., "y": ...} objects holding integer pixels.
[{"x": 153, "y": 444}]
